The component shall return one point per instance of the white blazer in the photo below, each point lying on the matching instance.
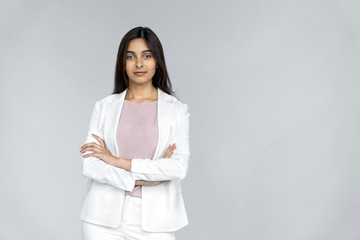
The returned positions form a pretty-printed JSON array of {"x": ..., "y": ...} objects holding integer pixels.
[{"x": 163, "y": 208}]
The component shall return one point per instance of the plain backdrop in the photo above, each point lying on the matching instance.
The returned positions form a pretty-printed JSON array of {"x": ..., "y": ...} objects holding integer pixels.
[{"x": 273, "y": 92}]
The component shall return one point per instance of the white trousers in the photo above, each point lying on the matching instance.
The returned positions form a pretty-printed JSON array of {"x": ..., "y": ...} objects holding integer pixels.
[{"x": 129, "y": 229}]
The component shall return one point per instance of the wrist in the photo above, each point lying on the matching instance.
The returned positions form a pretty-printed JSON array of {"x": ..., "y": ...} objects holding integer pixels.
[{"x": 124, "y": 164}]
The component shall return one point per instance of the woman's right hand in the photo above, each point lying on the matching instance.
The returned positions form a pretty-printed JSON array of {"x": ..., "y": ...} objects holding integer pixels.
[{"x": 168, "y": 154}]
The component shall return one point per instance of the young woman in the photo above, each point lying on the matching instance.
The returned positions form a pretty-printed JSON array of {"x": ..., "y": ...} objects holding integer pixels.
[{"x": 137, "y": 149}]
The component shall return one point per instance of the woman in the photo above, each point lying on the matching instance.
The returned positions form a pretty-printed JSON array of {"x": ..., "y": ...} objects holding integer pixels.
[{"x": 137, "y": 149}]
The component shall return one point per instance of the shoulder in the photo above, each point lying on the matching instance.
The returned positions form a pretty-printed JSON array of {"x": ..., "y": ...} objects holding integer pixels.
[
  {"x": 182, "y": 109},
  {"x": 172, "y": 99},
  {"x": 107, "y": 99},
  {"x": 101, "y": 104}
]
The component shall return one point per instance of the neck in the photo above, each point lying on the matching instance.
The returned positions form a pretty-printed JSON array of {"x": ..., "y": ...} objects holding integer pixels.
[{"x": 141, "y": 92}]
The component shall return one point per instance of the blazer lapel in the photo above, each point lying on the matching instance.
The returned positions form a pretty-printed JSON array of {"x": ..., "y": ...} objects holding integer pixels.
[
  {"x": 165, "y": 111},
  {"x": 112, "y": 116}
]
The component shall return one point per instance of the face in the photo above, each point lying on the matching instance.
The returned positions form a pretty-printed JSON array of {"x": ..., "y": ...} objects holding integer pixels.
[{"x": 140, "y": 64}]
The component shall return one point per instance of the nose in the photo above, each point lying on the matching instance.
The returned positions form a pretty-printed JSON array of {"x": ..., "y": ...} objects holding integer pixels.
[{"x": 139, "y": 63}]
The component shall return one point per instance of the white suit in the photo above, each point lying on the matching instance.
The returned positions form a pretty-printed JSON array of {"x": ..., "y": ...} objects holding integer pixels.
[{"x": 162, "y": 205}]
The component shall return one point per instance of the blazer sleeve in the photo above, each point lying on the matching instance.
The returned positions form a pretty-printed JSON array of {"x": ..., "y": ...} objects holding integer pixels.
[
  {"x": 96, "y": 169},
  {"x": 175, "y": 167}
]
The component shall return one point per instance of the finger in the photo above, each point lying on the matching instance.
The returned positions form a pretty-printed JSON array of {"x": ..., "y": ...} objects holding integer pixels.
[
  {"x": 93, "y": 144},
  {"x": 168, "y": 150},
  {"x": 95, "y": 148},
  {"x": 99, "y": 139},
  {"x": 168, "y": 153},
  {"x": 89, "y": 144},
  {"x": 171, "y": 147},
  {"x": 90, "y": 155}
]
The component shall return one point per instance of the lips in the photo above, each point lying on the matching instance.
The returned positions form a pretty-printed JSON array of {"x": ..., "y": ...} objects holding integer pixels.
[{"x": 139, "y": 73}]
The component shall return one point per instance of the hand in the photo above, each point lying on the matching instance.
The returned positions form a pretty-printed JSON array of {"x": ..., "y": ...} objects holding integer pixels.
[
  {"x": 170, "y": 151},
  {"x": 168, "y": 154},
  {"x": 99, "y": 151}
]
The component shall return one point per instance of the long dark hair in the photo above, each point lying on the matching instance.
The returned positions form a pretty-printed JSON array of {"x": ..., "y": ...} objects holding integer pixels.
[{"x": 160, "y": 79}]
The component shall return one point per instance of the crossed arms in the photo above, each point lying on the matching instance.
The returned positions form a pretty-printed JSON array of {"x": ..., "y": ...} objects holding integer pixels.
[{"x": 113, "y": 171}]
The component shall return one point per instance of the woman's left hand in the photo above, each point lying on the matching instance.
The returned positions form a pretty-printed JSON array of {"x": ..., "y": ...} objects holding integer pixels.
[{"x": 99, "y": 151}]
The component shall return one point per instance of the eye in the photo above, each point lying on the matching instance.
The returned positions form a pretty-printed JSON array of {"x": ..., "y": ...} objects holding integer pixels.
[
  {"x": 147, "y": 56},
  {"x": 129, "y": 57}
]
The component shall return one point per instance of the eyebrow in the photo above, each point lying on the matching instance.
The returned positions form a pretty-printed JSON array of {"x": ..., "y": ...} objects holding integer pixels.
[{"x": 134, "y": 52}]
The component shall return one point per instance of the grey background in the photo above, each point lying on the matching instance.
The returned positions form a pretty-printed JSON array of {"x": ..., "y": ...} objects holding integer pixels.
[{"x": 273, "y": 93}]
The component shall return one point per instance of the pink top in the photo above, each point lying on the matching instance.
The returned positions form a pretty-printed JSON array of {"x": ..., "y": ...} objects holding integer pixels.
[{"x": 137, "y": 133}]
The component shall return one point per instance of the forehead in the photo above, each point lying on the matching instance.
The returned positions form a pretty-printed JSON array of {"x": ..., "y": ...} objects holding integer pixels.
[{"x": 137, "y": 45}]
